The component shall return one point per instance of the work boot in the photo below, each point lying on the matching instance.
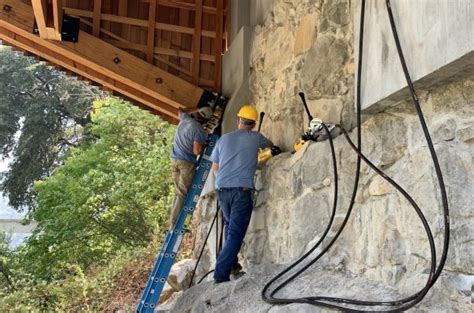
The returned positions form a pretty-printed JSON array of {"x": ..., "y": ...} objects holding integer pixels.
[
  {"x": 236, "y": 269},
  {"x": 237, "y": 275}
]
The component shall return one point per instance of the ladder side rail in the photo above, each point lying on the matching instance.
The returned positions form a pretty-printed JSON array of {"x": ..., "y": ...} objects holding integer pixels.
[
  {"x": 169, "y": 243},
  {"x": 174, "y": 237}
]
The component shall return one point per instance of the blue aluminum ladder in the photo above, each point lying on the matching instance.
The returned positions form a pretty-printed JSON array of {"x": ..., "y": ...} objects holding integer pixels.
[{"x": 171, "y": 245}]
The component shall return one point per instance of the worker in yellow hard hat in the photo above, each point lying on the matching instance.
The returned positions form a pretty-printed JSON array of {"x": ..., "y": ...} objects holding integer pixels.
[
  {"x": 234, "y": 163},
  {"x": 248, "y": 112}
]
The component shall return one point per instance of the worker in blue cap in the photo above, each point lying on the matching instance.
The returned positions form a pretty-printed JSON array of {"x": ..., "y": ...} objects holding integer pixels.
[{"x": 188, "y": 143}]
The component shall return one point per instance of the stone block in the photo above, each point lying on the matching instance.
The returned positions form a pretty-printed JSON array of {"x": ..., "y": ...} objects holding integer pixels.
[
  {"x": 379, "y": 186},
  {"x": 281, "y": 40},
  {"x": 328, "y": 110},
  {"x": 323, "y": 65},
  {"x": 180, "y": 274},
  {"x": 394, "y": 248},
  {"x": 305, "y": 33},
  {"x": 257, "y": 222},
  {"x": 444, "y": 129},
  {"x": 466, "y": 134},
  {"x": 296, "y": 308},
  {"x": 337, "y": 12},
  {"x": 254, "y": 249},
  {"x": 166, "y": 293}
]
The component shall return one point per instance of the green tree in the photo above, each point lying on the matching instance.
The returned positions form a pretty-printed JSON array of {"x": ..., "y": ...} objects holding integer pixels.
[
  {"x": 111, "y": 193},
  {"x": 42, "y": 114},
  {"x": 6, "y": 260}
]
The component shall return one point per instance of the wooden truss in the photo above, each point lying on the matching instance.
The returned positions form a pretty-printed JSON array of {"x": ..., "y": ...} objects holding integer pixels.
[{"x": 159, "y": 53}]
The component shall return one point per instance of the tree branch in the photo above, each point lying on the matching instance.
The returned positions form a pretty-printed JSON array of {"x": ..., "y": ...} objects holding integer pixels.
[{"x": 65, "y": 142}]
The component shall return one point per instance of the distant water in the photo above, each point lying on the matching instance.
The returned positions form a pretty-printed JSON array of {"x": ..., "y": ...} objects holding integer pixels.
[
  {"x": 10, "y": 219},
  {"x": 10, "y": 223}
]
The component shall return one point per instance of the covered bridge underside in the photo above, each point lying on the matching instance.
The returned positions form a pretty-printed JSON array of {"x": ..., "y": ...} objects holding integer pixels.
[{"x": 162, "y": 54}]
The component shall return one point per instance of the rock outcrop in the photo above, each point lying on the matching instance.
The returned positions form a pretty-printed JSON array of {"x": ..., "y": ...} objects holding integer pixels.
[{"x": 244, "y": 295}]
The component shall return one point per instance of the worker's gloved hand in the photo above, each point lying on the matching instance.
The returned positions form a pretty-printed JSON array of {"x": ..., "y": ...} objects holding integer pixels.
[{"x": 265, "y": 154}]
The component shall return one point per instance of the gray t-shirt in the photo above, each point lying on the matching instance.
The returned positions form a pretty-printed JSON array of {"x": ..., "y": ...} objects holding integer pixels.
[
  {"x": 236, "y": 153},
  {"x": 189, "y": 130}
]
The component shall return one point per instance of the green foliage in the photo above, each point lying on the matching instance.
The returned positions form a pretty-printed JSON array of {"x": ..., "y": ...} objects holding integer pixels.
[
  {"x": 110, "y": 194},
  {"x": 101, "y": 181},
  {"x": 78, "y": 291},
  {"x": 6, "y": 263},
  {"x": 42, "y": 114}
]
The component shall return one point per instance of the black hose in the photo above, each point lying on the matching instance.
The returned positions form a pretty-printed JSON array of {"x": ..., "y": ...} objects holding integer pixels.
[
  {"x": 426, "y": 132},
  {"x": 217, "y": 231},
  {"x": 205, "y": 275},
  {"x": 270, "y": 298},
  {"x": 219, "y": 236},
  {"x": 219, "y": 239},
  {"x": 351, "y": 301},
  {"x": 203, "y": 247},
  {"x": 410, "y": 301}
]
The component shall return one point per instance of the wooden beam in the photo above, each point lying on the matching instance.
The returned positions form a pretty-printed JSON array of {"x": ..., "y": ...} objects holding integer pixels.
[
  {"x": 175, "y": 66},
  {"x": 123, "y": 44},
  {"x": 184, "y": 43},
  {"x": 57, "y": 17},
  {"x": 122, "y": 11},
  {"x": 196, "y": 61},
  {"x": 108, "y": 33},
  {"x": 184, "y": 5},
  {"x": 228, "y": 26},
  {"x": 206, "y": 82},
  {"x": 107, "y": 60},
  {"x": 89, "y": 73},
  {"x": 96, "y": 18},
  {"x": 151, "y": 31},
  {"x": 40, "y": 10},
  {"x": 218, "y": 45},
  {"x": 139, "y": 22}
]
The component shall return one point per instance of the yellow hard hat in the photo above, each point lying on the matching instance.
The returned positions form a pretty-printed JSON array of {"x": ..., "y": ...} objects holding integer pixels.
[{"x": 248, "y": 112}]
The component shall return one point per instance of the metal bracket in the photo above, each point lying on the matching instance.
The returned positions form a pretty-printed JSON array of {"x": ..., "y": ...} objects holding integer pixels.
[{"x": 70, "y": 28}]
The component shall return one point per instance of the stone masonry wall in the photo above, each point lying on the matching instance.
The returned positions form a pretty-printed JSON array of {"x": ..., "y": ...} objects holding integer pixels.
[
  {"x": 384, "y": 239},
  {"x": 303, "y": 46},
  {"x": 308, "y": 46}
]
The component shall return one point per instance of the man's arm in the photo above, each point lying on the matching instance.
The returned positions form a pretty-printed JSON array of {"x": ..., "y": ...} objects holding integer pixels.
[
  {"x": 264, "y": 142},
  {"x": 215, "y": 168},
  {"x": 215, "y": 157},
  {"x": 197, "y": 147}
]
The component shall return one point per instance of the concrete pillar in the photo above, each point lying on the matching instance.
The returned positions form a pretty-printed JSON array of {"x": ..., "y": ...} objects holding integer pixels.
[
  {"x": 259, "y": 10},
  {"x": 235, "y": 73},
  {"x": 240, "y": 16},
  {"x": 437, "y": 39}
]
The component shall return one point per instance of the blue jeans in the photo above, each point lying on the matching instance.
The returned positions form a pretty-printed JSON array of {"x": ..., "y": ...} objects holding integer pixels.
[{"x": 236, "y": 206}]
